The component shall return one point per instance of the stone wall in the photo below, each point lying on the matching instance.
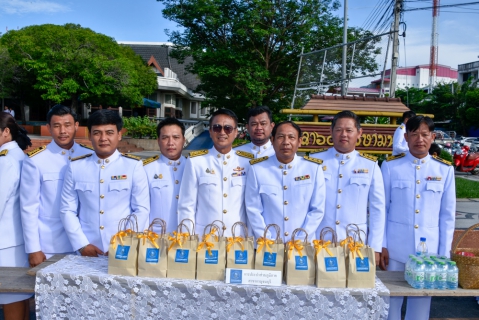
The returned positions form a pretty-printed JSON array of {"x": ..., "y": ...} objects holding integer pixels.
[{"x": 147, "y": 144}]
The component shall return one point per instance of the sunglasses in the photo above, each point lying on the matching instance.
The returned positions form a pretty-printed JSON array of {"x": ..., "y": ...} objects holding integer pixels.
[{"x": 227, "y": 128}]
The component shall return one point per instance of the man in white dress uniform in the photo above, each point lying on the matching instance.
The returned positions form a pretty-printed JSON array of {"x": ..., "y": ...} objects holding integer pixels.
[
  {"x": 420, "y": 202},
  {"x": 165, "y": 173},
  {"x": 216, "y": 178},
  {"x": 399, "y": 142}
]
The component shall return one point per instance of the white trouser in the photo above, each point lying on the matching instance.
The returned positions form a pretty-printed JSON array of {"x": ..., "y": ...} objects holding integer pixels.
[{"x": 417, "y": 307}]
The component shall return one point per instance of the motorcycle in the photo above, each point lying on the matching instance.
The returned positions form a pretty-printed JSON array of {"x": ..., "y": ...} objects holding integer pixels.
[{"x": 466, "y": 160}]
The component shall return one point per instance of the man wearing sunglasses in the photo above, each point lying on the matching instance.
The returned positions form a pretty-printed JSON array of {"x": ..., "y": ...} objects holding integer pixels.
[
  {"x": 214, "y": 183},
  {"x": 259, "y": 123}
]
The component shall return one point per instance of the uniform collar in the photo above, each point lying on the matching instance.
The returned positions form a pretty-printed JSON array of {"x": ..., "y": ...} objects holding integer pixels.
[
  {"x": 219, "y": 155},
  {"x": 416, "y": 161},
  {"x": 290, "y": 165},
  {"x": 108, "y": 160},
  {"x": 55, "y": 148},
  {"x": 257, "y": 149},
  {"x": 343, "y": 156},
  {"x": 169, "y": 162},
  {"x": 9, "y": 146}
]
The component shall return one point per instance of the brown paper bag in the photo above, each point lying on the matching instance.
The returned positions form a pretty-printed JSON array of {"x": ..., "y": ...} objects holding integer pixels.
[
  {"x": 330, "y": 261},
  {"x": 182, "y": 252},
  {"x": 123, "y": 249},
  {"x": 153, "y": 251},
  {"x": 270, "y": 253},
  {"x": 211, "y": 254},
  {"x": 361, "y": 264},
  {"x": 240, "y": 250},
  {"x": 299, "y": 266}
]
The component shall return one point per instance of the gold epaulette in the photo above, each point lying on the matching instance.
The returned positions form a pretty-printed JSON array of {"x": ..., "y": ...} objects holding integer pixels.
[
  {"x": 401, "y": 126},
  {"x": 3, "y": 153},
  {"x": 85, "y": 146},
  {"x": 198, "y": 153},
  {"x": 442, "y": 160},
  {"x": 36, "y": 151},
  {"x": 398, "y": 156},
  {"x": 130, "y": 156},
  {"x": 245, "y": 154},
  {"x": 315, "y": 160},
  {"x": 368, "y": 156},
  {"x": 82, "y": 157},
  {"x": 255, "y": 161},
  {"x": 318, "y": 151},
  {"x": 150, "y": 160},
  {"x": 239, "y": 144}
]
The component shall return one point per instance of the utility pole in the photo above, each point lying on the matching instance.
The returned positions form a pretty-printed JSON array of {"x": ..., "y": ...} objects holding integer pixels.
[
  {"x": 345, "y": 49},
  {"x": 395, "y": 56}
]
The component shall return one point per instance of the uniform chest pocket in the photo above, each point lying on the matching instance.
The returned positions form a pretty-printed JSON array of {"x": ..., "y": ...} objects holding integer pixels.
[
  {"x": 360, "y": 181},
  {"x": 84, "y": 186},
  {"x": 118, "y": 186},
  {"x": 269, "y": 190},
  {"x": 302, "y": 183},
  {"x": 54, "y": 176},
  {"x": 238, "y": 181},
  {"x": 434, "y": 186},
  {"x": 158, "y": 184},
  {"x": 401, "y": 184},
  {"x": 327, "y": 176},
  {"x": 207, "y": 180}
]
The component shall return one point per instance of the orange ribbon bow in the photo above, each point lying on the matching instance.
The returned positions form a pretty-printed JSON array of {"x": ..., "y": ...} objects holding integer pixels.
[
  {"x": 264, "y": 242},
  {"x": 296, "y": 244},
  {"x": 320, "y": 244},
  {"x": 232, "y": 241}
]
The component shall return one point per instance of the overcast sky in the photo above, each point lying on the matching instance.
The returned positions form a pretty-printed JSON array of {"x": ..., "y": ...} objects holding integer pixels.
[{"x": 141, "y": 20}]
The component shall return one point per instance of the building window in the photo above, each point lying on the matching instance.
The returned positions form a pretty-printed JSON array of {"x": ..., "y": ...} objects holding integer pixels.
[
  {"x": 170, "y": 99},
  {"x": 179, "y": 103},
  {"x": 203, "y": 111},
  {"x": 193, "y": 107},
  {"x": 169, "y": 112}
]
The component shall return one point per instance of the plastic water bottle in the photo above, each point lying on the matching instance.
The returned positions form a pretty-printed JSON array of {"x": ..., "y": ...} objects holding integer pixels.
[
  {"x": 418, "y": 274},
  {"x": 421, "y": 249},
  {"x": 452, "y": 275},
  {"x": 407, "y": 269},
  {"x": 441, "y": 275},
  {"x": 430, "y": 275}
]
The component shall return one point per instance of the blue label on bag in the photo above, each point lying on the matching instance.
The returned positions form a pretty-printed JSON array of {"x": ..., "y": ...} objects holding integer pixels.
[
  {"x": 152, "y": 255},
  {"x": 122, "y": 252},
  {"x": 362, "y": 265},
  {"x": 236, "y": 276},
  {"x": 211, "y": 258},
  {"x": 182, "y": 255},
  {"x": 241, "y": 257},
  {"x": 301, "y": 263},
  {"x": 331, "y": 264},
  {"x": 269, "y": 259}
]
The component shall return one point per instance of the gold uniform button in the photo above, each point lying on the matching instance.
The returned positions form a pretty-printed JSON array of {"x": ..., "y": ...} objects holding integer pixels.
[
  {"x": 225, "y": 195},
  {"x": 281, "y": 166},
  {"x": 285, "y": 187},
  {"x": 418, "y": 181},
  {"x": 101, "y": 180},
  {"x": 225, "y": 163},
  {"x": 286, "y": 218},
  {"x": 228, "y": 156},
  {"x": 285, "y": 172},
  {"x": 102, "y": 212},
  {"x": 225, "y": 211},
  {"x": 337, "y": 222},
  {"x": 418, "y": 167},
  {"x": 69, "y": 158},
  {"x": 175, "y": 169},
  {"x": 340, "y": 175},
  {"x": 417, "y": 211},
  {"x": 99, "y": 161},
  {"x": 224, "y": 179},
  {"x": 416, "y": 226},
  {"x": 285, "y": 203},
  {"x": 103, "y": 167},
  {"x": 218, "y": 155},
  {"x": 176, "y": 182},
  {"x": 177, "y": 196},
  {"x": 102, "y": 196},
  {"x": 342, "y": 162},
  {"x": 418, "y": 196},
  {"x": 339, "y": 191},
  {"x": 102, "y": 227},
  {"x": 107, "y": 160},
  {"x": 290, "y": 166},
  {"x": 286, "y": 234},
  {"x": 347, "y": 157},
  {"x": 63, "y": 152},
  {"x": 338, "y": 206}
]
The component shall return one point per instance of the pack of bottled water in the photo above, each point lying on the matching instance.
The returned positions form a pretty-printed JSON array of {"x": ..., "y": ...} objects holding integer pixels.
[{"x": 428, "y": 271}]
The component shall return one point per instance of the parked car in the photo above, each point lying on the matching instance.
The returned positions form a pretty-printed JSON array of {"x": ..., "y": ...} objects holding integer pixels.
[
  {"x": 468, "y": 141},
  {"x": 442, "y": 138}
]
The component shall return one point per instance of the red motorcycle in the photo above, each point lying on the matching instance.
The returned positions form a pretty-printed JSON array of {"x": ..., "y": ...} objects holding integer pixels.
[{"x": 466, "y": 161}]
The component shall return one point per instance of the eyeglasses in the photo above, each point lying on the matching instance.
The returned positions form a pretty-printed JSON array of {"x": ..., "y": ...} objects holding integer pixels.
[{"x": 227, "y": 128}]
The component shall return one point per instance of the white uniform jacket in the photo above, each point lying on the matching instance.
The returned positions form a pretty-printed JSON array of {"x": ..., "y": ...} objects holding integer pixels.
[
  {"x": 97, "y": 193},
  {"x": 11, "y": 158},
  {"x": 353, "y": 181},
  {"x": 42, "y": 181},
  {"x": 164, "y": 179},
  {"x": 399, "y": 142},
  {"x": 258, "y": 152},
  {"x": 214, "y": 188},
  {"x": 420, "y": 202},
  {"x": 289, "y": 195}
]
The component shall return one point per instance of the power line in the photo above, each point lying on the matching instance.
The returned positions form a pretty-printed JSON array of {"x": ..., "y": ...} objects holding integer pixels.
[{"x": 443, "y": 6}]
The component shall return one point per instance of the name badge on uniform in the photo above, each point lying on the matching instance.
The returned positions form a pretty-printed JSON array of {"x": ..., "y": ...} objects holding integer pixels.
[
  {"x": 362, "y": 265},
  {"x": 152, "y": 255},
  {"x": 122, "y": 252},
  {"x": 121, "y": 177},
  {"x": 301, "y": 263},
  {"x": 361, "y": 171},
  {"x": 331, "y": 264},
  {"x": 182, "y": 255},
  {"x": 241, "y": 257},
  {"x": 434, "y": 178},
  {"x": 269, "y": 259}
]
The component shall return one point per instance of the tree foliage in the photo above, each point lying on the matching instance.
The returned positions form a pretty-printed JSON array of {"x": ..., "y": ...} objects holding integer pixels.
[
  {"x": 73, "y": 63},
  {"x": 246, "y": 52}
]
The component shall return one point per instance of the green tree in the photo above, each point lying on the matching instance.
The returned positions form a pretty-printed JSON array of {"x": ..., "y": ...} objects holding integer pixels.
[
  {"x": 73, "y": 63},
  {"x": 246, "y": 52},
  {"x": 7, "y": 69},
  {"x": 413, "y": 98}
]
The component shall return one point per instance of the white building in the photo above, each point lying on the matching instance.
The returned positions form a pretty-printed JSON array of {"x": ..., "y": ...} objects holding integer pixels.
[{"x": 468, "y": 70}]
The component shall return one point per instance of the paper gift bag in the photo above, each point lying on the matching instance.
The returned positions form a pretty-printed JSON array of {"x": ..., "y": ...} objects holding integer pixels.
[
  {"x": 240, "y": 249},
  {"x": 270, "y": 253},
  {"x": 123, "y": 249},
  {"x": 330, "y": 261},
  {"x": 153, "y": 251},
  {"x": 361, "y": 264},
  {"x": 211, "y": 255},
  {"x": 299, "y": 266},
  {"x": 182, "y": 253}
]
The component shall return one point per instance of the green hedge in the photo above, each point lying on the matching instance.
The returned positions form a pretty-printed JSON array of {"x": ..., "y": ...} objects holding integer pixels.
[{"x": 140, "y": 127}]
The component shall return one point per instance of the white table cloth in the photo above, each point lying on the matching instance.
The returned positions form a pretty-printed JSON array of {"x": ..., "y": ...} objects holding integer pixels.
[{"x": 80, "y": 288}]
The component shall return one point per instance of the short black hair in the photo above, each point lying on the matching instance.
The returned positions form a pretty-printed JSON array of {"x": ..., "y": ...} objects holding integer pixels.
[
  {"x": 105, "y": 116},
  {"x": 435, "y": 148},
  {"x": 275, "y": 128},
  {"x": 226, "y": 112},
  {"x": 408, "y": 115},
  {"x": 60, "y": 110},
  {"x": 346, "y": 114},
  {"x": 170, "y": 122},
  {"x": 253, "y": 112},
  {"x": 414, "y": 123}
]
